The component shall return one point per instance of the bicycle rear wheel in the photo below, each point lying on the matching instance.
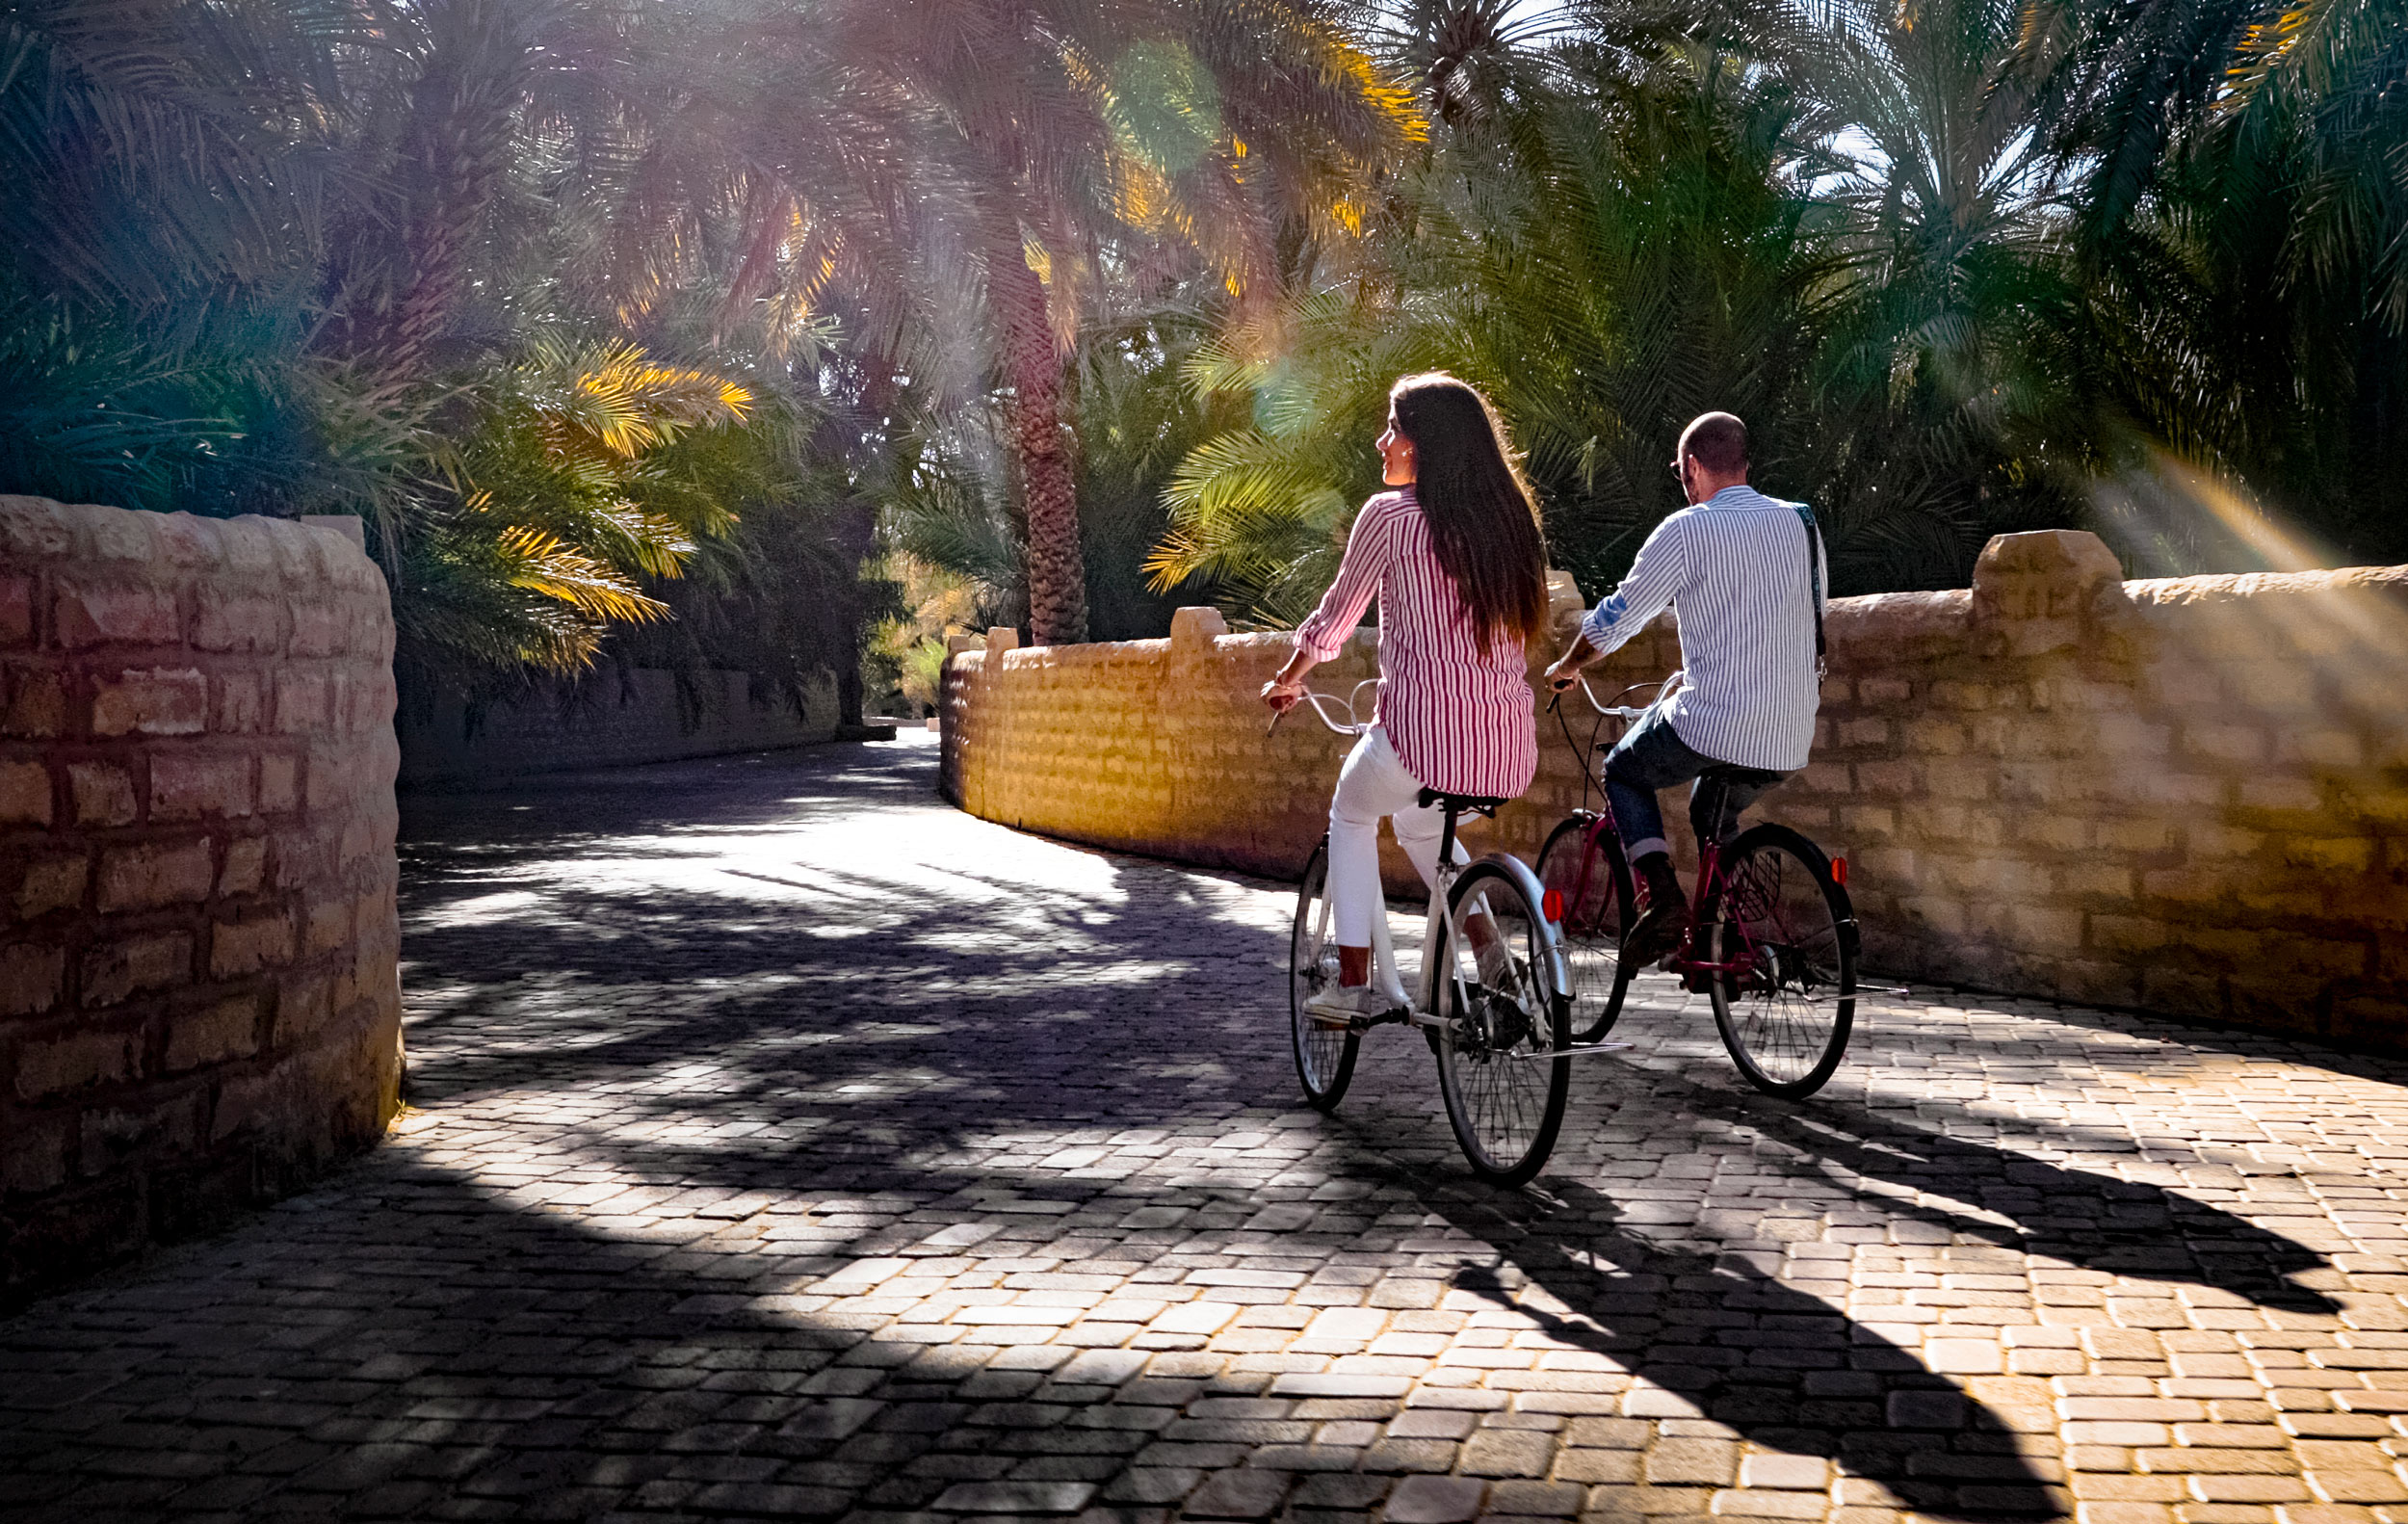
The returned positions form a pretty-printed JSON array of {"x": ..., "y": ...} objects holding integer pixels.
[
  {"x": 1324, "y": 1056},
  {"x": 1588, "y": 897},
  {"x": 1502, "y": 1017},
  {"x": 1786, "y": 1015}
]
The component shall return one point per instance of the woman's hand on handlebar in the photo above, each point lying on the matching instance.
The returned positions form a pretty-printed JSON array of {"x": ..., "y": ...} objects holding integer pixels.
[{"x": 1286, "y": 689}]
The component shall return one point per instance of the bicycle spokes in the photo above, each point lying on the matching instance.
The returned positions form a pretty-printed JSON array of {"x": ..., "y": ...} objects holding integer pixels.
[
  {"x": 1784, "y": 938},
  {"x": 1500, "y": 1027},
  {"x": 1325, "y": 1055},
  {"x": 1588, "y": 896}
]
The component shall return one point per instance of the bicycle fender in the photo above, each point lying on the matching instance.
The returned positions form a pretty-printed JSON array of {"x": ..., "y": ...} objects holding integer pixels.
[{"x": 1526, "y": 879}]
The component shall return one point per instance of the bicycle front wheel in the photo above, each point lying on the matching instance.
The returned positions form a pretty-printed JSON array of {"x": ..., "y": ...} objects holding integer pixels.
[
  {"x": 1588, "y": 897},
  {"x": 1503, "y": 1019},
  {"x": 1324, "y": 1056},
  {"x": 1786, "y": 1012}
]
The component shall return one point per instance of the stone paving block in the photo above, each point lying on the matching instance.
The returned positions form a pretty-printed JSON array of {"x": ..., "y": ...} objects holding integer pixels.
[
  {"x": 764, "y": 1498},
  {"x": 1435, "y": 1500},
  {"x": 1298, "y": 1385},
  {"x": 1494, "y": 1453},
  {"x": 700, "y": 1218},
  {"x": 1015, "y": 1497},
  {"x": 1239, "y": 1494}
]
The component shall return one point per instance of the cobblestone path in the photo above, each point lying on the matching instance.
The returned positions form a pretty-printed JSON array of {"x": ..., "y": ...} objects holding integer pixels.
[{"x": 787, "y": 1145}]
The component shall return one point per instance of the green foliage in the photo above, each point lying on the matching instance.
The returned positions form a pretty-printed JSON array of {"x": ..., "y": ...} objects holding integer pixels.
[
  {"x": 1135, "y": 421},
  {"x": 1259, "y": 513},
  {"x": 1895, "y": 239},
  {"x": 622, "y": 356},
  {"x": 273, "y": 257}
]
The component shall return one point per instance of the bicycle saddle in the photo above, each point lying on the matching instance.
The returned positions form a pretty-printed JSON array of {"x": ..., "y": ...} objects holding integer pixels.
[{"x": 1473, "y": 803}]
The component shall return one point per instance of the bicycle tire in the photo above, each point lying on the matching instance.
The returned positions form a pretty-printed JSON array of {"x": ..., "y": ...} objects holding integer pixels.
[
  {"x": 1786, "y": 1021},
  {"x": 1503, "y": 1099},
  {"x": 1594, "y": 880},
  {"x": 1324, "y": 1056}
]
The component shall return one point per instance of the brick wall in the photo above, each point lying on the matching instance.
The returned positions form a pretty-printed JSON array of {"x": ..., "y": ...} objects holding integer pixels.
[
  {"x": 199, "y": 1003},
  {"x": 2187, "y": 795},
  {"x": 610, "y": 719}
]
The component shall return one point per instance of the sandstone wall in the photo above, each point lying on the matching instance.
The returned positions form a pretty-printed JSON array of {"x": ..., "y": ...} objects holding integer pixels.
[
  {"x": 610, "y": 719},
  {"x": 2186, "y": 796},
  {"x": 199, "y": 944}
]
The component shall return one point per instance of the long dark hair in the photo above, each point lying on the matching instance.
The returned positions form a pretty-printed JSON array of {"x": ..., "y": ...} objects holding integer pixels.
[{"x": 1483, "y": 522}]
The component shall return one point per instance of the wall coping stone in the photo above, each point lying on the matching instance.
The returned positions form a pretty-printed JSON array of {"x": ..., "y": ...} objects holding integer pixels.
[{"x": 2187, "y": 796}]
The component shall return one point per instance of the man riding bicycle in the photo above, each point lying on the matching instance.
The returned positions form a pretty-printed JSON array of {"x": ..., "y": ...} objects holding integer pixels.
[{"x": 1744, "y": 575}]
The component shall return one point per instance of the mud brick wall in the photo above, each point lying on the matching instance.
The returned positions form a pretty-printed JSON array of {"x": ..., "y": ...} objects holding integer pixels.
[
  {"x": 610, "y": 719},
  {"x": 2186, "y": 796},
  {"x": 199, "y": 999}
]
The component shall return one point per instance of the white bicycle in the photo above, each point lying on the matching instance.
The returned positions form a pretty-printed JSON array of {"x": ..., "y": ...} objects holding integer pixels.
[{"x": 1491, "y": 992}]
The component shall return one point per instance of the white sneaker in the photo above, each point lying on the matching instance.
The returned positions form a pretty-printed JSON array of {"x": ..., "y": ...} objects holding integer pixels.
[{"x": 1338, "y": 1004}]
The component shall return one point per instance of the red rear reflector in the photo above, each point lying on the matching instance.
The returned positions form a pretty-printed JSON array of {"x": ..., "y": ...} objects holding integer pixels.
[
  {"x": 1553, "y": 904},
  {"x": 1839, "y": 871}
]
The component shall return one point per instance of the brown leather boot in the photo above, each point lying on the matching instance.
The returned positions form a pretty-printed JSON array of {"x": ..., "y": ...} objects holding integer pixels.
[{"x": 1665, "y": 921}]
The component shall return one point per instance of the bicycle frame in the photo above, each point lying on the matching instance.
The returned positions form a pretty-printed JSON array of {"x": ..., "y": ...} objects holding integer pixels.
[
  {"x": 1708, "y": 891},
  {"x": 1708, "y": 887},
  {"x": 1421, "y": 1005}
]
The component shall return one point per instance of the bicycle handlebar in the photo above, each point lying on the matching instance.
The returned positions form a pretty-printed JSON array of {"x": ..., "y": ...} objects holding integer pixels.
[
  {"x": 1620, "y": 711},
  {"x": 1353, "y": 726}
]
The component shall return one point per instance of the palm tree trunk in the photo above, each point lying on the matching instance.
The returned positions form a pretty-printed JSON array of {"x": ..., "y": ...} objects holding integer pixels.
[
  {"x": 1033, "y": 418},
  {"x": 399, "y": 287}
]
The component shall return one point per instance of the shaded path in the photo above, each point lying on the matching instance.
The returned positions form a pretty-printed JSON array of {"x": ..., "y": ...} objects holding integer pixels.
[{"x": 789, "y": 1144}]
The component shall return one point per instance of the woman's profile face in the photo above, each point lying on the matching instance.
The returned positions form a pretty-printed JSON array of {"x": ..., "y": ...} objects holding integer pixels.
[{"x": 1396, "y": 455}]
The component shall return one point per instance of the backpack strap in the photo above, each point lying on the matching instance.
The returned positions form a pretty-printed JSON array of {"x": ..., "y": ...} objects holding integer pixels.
[{"x": 1813, "y": 582}]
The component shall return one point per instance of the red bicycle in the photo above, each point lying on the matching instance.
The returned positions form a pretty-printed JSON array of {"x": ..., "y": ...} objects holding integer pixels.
[{"x": 1772, "y": 936}]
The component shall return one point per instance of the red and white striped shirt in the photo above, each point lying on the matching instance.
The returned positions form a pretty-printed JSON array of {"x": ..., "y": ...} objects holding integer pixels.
[{"x": 1461, "y": 723}]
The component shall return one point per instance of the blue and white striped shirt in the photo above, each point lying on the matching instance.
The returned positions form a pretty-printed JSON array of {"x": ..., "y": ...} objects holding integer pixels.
[{"x": 1733, "y": 570}]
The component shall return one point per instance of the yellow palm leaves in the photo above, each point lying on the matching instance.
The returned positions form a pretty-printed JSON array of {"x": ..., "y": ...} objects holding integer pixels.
[
  {"x": 563, "y": 486},
  {"x": 611, "y": 401},
  {"x": 542, "y": 563}
]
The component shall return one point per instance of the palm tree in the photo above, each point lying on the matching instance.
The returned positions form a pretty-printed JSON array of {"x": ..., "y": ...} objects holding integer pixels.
[
  {"x": 1608, "y": 237},
  {"x": 269, "y": 256},
  {"x": 2242, "y": 233},
  {"x": 1091, "y": 144}
]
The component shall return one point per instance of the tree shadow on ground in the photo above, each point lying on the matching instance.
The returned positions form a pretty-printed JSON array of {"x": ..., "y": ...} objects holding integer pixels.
[
  {"x": 881, "y": 1047},
  {"x": 1786, "y": 1369},
  {"x": 404, "y": 1346}
]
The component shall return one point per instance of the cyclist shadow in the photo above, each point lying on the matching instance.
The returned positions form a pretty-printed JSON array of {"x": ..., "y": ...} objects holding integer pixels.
[
  {"x": 1780, "y": 1367},
  {"x": 1784, "y": 1368},
  {"x": 2097, "y": 1222}
]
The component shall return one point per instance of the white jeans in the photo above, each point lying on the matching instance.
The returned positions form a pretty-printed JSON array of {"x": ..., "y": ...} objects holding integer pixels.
[{"x": 1375, "y": 783}]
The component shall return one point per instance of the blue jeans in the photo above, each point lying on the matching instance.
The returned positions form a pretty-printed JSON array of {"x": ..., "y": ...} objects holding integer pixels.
[{"x": 1651, "y": 757}]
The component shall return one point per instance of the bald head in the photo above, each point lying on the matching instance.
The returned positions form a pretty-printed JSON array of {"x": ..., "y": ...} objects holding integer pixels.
[{"x": 1718, "y": 442}]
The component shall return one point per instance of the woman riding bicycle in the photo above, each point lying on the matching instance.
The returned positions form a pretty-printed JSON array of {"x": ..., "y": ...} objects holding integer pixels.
[{"x": 1455, "y": 558}]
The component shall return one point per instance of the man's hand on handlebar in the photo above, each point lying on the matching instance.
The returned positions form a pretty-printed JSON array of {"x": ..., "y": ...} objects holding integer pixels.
[{"x": 1566, "y": 670}]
